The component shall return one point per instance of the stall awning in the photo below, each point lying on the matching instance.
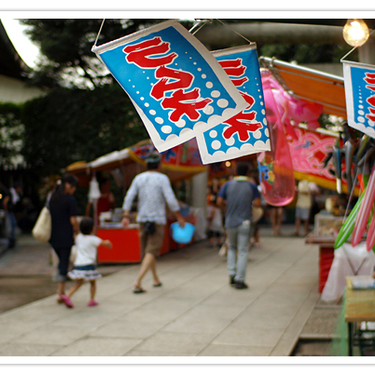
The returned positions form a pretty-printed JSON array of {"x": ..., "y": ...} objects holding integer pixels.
[
  {"x": 309, "y": 84},
  {"x": 179, "y": 163}
]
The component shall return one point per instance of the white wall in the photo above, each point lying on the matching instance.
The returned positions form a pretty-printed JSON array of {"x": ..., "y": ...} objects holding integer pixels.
[
  {"x": 199, "y": 190},
  {"x": 15, "y": 91}
]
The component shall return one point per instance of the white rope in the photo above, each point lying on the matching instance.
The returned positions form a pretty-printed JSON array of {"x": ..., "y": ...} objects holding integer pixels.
[
  {"x": 100, "y": 30},
  {"x": 198, "y": 26},
  {"x": 235, "y": 31},
  {"x": 202, "y": 23},
  {"x": 342, "y": 58}
]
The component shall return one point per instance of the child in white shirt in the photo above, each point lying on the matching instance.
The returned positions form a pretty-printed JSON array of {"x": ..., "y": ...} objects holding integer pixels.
[
  {"x": 84, "y": 266},
  {"x": 215, "y": 227}
]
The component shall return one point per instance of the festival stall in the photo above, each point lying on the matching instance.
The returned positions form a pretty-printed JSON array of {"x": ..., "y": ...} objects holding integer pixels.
[
  {"x": 317, "y": 155},
  {"x": 179, "y": 163},
  {"x": 342, "y": 162}
]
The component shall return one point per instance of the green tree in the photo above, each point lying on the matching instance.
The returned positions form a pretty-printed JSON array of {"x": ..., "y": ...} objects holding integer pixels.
[
  {"x": 86, "y": 113},
  {"x": 11, "y": 133},
  {"x": 70, "y": 125},
  {"x": 304, "y": 53},
  {"x": 66, "y": 46}
]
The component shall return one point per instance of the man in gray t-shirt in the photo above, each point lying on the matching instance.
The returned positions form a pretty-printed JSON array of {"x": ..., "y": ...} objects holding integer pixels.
[{"x": 240, "y": 195}]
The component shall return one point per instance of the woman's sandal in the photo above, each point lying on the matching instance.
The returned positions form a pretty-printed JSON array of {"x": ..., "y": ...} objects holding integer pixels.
[{"x": 157, "y": 285}]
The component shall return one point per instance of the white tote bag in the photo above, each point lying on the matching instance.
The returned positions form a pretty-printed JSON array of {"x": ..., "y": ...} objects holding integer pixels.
[{"x": 42, "y": 228}]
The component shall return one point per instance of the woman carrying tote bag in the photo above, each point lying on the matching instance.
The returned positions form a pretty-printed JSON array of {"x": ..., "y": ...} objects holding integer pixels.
[{"x": 63, "y": 209}]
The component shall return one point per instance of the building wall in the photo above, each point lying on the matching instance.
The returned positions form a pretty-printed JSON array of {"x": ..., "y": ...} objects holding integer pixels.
[
  {"x": 15, "y": 91},
  {"x": 335, "y": 69}
]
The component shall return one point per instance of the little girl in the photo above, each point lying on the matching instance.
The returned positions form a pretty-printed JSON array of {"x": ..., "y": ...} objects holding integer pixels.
[
  {"x": 84, "y": 266},
  {"x": 215, "y": 227}
]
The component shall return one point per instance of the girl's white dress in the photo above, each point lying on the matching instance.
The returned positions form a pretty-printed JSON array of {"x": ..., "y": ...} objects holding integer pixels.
[
  {"x": 216, "y": 223},
  {"x": 84, "y": 265}
]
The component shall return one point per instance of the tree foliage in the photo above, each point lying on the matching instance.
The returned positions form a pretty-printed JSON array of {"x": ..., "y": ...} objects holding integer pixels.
[
  {"x": 86, "y": 113},
  {"x": 66, "y": 46},
  {"x": 11, "y": 132},
  {"x": 70, "y": 125},
  {"x": 304, "y": 53}
]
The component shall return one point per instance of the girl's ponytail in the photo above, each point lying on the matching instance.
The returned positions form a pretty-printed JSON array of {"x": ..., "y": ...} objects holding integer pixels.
[{"x": 60, "y": 187}]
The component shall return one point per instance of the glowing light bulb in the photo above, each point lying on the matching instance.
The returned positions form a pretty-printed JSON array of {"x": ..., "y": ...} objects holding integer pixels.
[{"x": 356, "y": 32}]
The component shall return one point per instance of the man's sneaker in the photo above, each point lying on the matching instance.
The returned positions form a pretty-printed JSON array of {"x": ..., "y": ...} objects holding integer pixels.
[
  {"x": 240, "y": 285},
  {"x": 231, "y": 280}
]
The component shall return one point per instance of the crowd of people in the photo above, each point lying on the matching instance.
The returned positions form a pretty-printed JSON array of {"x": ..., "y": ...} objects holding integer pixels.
[
  {"x": 17, "y": 213},
  {"x": 306, "y": 207},
  {"x": 233, "y": 213}
]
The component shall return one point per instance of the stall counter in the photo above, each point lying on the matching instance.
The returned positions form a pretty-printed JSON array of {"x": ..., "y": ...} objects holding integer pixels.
[
  {"x": 326, "y": 255},
  {"x": 126, "y": 245}
]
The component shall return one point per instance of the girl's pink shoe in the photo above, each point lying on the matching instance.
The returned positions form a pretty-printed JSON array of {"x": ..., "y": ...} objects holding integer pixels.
[
  {"x": 67, "y": 301},
  {"x": 92, "y": 303}
]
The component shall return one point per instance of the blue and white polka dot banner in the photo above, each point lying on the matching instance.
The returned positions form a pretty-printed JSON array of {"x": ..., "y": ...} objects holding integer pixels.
[
  {"x": 359, "y": 80},
  {"x": 177, "y": 86},
  {"x": 247, "y": 132}
]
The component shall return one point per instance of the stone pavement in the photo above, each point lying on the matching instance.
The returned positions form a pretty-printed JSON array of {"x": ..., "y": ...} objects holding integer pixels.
[{"x": 195, "y": 313}]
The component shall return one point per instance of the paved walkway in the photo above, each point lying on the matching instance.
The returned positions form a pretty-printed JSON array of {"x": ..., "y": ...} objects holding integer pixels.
[{"x": 195, "y": 313}]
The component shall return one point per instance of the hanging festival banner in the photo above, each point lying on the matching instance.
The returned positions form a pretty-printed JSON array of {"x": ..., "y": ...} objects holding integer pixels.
[
  {"x": 174, "y": 82},
  {"x": 359, "y": 81},
  {"x": 247, "y": 132},
  {"x": 181, "y": 158}
]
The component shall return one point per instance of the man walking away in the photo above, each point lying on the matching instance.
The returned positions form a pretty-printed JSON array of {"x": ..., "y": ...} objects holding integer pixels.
[
  {"x": 154, "y": 191},
  {"x": 239, "y": 195}
]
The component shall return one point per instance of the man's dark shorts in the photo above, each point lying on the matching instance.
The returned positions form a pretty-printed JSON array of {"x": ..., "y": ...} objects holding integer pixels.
[{"x": 152, "y": 243}]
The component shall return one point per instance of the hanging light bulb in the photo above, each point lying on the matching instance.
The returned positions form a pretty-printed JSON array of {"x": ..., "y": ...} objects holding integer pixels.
[{"x": 356, "y": 32}]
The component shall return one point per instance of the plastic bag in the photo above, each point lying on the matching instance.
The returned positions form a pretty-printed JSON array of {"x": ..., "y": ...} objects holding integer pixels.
[{"x": 348, "y": 261}]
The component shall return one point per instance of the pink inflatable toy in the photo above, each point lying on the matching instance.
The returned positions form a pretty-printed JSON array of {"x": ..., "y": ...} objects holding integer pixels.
[
  {"x": 275, "y": 166},
  {"x": 303, "y": 111},
  {"x": 298, "y": 110}
]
